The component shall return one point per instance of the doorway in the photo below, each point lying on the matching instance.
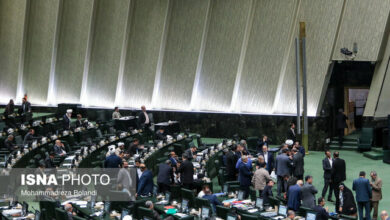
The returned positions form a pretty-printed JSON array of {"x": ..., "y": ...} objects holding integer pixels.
[{"x": 354, "y": 104}]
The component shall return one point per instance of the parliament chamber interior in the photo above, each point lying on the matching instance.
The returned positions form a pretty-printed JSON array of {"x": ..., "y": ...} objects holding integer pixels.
[{"x": 185, "y": 109}]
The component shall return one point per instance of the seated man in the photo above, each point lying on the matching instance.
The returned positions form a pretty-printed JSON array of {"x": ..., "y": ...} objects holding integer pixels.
[
  {"x": 59, "y": 148},
  {"x": 156, "y": 216},
  {"x": 69, "y": 211},
  {"x": 160, "y": 135},
  {"x": 203, "y": 191},
  {"x": 29, "y": 138},
  {"x": 290, "y": 215},
  {"x": 347, "y": 205},
  {"x": 134, "y": 148},
  {"x": 9, "y": 143},
  {"x": 79, "y": 121},
  {"x": 213, "y": 199},
  {"x": 267, "y": 193},
  {"x": 322, "y": 213},
  {"x": 49, "y": 161}
]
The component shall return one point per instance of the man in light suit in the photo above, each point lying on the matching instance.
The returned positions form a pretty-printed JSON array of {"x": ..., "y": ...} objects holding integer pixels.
[
  {"x": 309, "y": 193},
  {"x": 376, "y": 184},
  {"x": 362, "y": 188},
  {"x": 327, "y": 164},
  {"x": 282, "y": 168},
  {"x": 143, "y": 118}
]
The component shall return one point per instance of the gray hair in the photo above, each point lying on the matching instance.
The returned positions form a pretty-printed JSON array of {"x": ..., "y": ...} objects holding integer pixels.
[
  {"x": 374, "y": 173},
  {"x": 384, "y": 213},
  {"x": 290, "y": 212},
  {"x": 168, "y": 162},
  {"x": 148, "y": 204}
]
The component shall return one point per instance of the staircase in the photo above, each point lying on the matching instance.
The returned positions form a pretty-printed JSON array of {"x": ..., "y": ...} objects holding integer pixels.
[
  {"x": 375, "y": 153},
  {"x": 349, "y": 143}
]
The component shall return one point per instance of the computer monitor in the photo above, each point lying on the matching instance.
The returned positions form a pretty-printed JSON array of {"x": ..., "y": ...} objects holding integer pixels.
[
  {"x": 24, "y": 209},
  {"x": 107, "y": 207},
  {"x": 184, "y": 206},
  {"x": 225, "y": 188},
  {"x": 37, "y": 215},
  {"x": 310, "y": 216},
  {"x": 168, "y": 196},
  {"x": 259, "y": 203},
  {"x": 240, "y": 195},
  {"x": 124, "y": 213},
  {"x": 282, "y": 210},
  {"x": 147, "y": 218},
  {"x": 230, "y": 216},
  {"x": 93, "y": 201},
  {"x": 205, "y": 213}
]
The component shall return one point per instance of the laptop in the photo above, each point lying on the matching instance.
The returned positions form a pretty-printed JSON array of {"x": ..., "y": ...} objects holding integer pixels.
[
  {"x": 205, "y": 212},
  {"x": 147, "y": 218},
  {"x": 259, "y": 203},
  {"x": 282, "y": 211},
  {"x": 240, "y": 195},
  {"x": 231, "y": 216},
  {"x": 168, "y": 197},
  {"x": 225, "y": 188},
  {"x": 184, "y": 206},
  {"x": 93, "y": 201},
  {"x": 124, "y": 213},
  {"x": 310, "y": 216}
]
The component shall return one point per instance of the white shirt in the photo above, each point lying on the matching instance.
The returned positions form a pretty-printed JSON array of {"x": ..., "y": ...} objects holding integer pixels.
[
  {"x": 265, "y": 154},
  {"x": 293, "y": 131},
  {"x": 330, "y": 162},
  {"x": 146, "y": 118},
  {"x": 139, "y": 172}
]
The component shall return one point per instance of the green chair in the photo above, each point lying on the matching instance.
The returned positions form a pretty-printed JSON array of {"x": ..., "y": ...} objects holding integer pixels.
[
  {"x": 61, "y": 214},
  {"x": 252, "y": 143},
  {"x": 49, "y": 207},
  {"x": 78, "y": 218},
  {"x": 221, "y": 211},
  {"x": 252, "y": 193},
  {"x": 249, "y": 217},
  {"x": 145, "y": 212},
  {"x": 199, "y": 202},
  {"x": 189, "y": 195},
  {"x": 365, "y": 139}
]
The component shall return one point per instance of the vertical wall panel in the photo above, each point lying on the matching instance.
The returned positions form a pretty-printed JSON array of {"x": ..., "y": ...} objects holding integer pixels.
[
  {"x": 142, "y": 52},
  {"x": 72, "y": 47},
  {"x": 259, "y": 79},
  {"x": 364, "y": 23},
  {"x": 222, "y": 53},
  {"x": 321, "y": 19},
  {"x": 110, "y": 25},
  {"x": 12, "y": 17},
  {"x": 181, "y": 53},
  {"x": 42, "y": 24}
]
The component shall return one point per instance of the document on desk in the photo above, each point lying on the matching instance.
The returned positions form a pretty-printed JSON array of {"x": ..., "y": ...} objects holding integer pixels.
[
  {"x": 11, "y": 211},
  {"x": 181, "y": 215}
]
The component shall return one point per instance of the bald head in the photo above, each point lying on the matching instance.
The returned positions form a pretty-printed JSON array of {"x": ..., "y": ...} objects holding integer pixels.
[
  {"x": 384, "y": 215},
  {"x": 300, "y": 182},
  {"x": 68, "y": 207},
  {"x": 143, "y": 108}
]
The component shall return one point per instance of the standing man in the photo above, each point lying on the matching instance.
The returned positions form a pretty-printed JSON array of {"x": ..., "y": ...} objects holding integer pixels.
[
  {"x": 231, "y": 161},
  {"x": 282, "y": 167},
  {"x": 291, "y": 132},
  {"x": 186, "y": 170},
  {"x": 145, "y": 184},
  {"x": 191, "y": 152},
  {"x": 260, "y": 178},
  {"x": 376, "y": 184},
  {"x": 261, "y": 143},
  {"x": 165, "y": 176},
  {"x": 245, "y": 176},
  {"x": 66, "y": 119},
  {"x": 341, "y": 124},
  {"x": 143, "y": 118},
  {"x": 327, "y": 164},
  {"x": 116, "y": 114},
  {"x": 25, "y": 108},
  {"x": 338, "y": 175},
  {"x": 294, "y": 196},
  {"x": 298, "y": 164},
  {"x": 362, "y": 188},
  {"x": 268, "y": 158},
  {"x": 309, "y": 193}
]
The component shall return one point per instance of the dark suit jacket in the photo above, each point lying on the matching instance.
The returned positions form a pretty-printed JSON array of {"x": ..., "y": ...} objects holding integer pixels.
[
  {"x": 186, "y": 171},
  {"x": 294, "y": 196},
  {"x": 28, "y": 139},
  {"x": 49, "y": 163},
  {"x": 112, "y": 161},
  {"x": 165, "y": 174},
  {"x": 327, "y": 168},
  {"x": 322, "y": 214},
  {"x": 160, "y": 136},
  {"x": 363, "y": 189},
  {"x": 349, "y": 205},
  {"x": 9, "y": 145},
  {"x": 189, "y": 154},
  {"x": 340, "y": 121},
  {"x": 338, "y": 170},
  {"x": 145, "y": 184},
  {"x": 231, "y": 160},
  {"x": 79, "y": 123},
  {"x": 260, "y": 144},
  {"x": 298, "y": 164},
  {"x": 282, "y": 165},
  {"x": 142, "y": 119},
  {"x": 24, "y": 108},
  {"x": 266, "y": 194},
  {"x": 65, "y": 122},
  {"x": 245, "y": 175},
  {"x": 291, "y": 135},
  {"x": 271, "y": 162}
]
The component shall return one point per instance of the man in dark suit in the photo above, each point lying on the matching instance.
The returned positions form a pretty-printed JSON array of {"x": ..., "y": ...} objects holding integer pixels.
[
  {"x": 294, "y": 196},
  {"x": 9, "y": 143},
  {"x": 112, "y": 161},
  {"x": 327, "y": 164},
  {"x": 347, "y": 201},
  {"x": 66, "y": 119},
  {"x": 49, "y": 160},
  {"x": 191, "y": 152},
  {"x": 268, "y": 159},
  {"x": 321, "y": 212},
  {"x": 160, "y": 135},
  {"x": 29, "y": 138},
  {"x": 165, "y": 176},
  {"x": 212, "y": 198},
  {"x": 267, "y": 192},
  {"x": 362, "y": 188},
  {"x": 24, "y": 109},
  {"x": 298, "y": 164},
  {"x": 231, "y": 160},
  {"x": 69, "y": 211},
  {"x": 261, "y": 142},
  {"x": 309, "y": 193},
  {"x": 186, "y": 171},
  {"x": 291, "y": 132},
  {"x": 143, "y": 118},
  {"x": 79, "y": 122},
  {"x": 145, "y": 184},
  {"x": 338, "y": 175},
  {"x": 245, "y": 176},
  {"x": 282, "y": 168},
  {"x": 341, "y": 124}
]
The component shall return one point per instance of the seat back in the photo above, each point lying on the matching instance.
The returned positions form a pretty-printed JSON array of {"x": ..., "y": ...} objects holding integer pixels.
[
  {"x": 199, "y": 202},
  {"x": 221, "y": 211},
  {"x": 252, "y": 143},
  {"x": 366, "y": 135},
  {"x": 248, "y": 217},
  {"x": 61, "y": 214},
  {"x": 145, "y": 212},
  {"x": 189, "y": 195}
]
